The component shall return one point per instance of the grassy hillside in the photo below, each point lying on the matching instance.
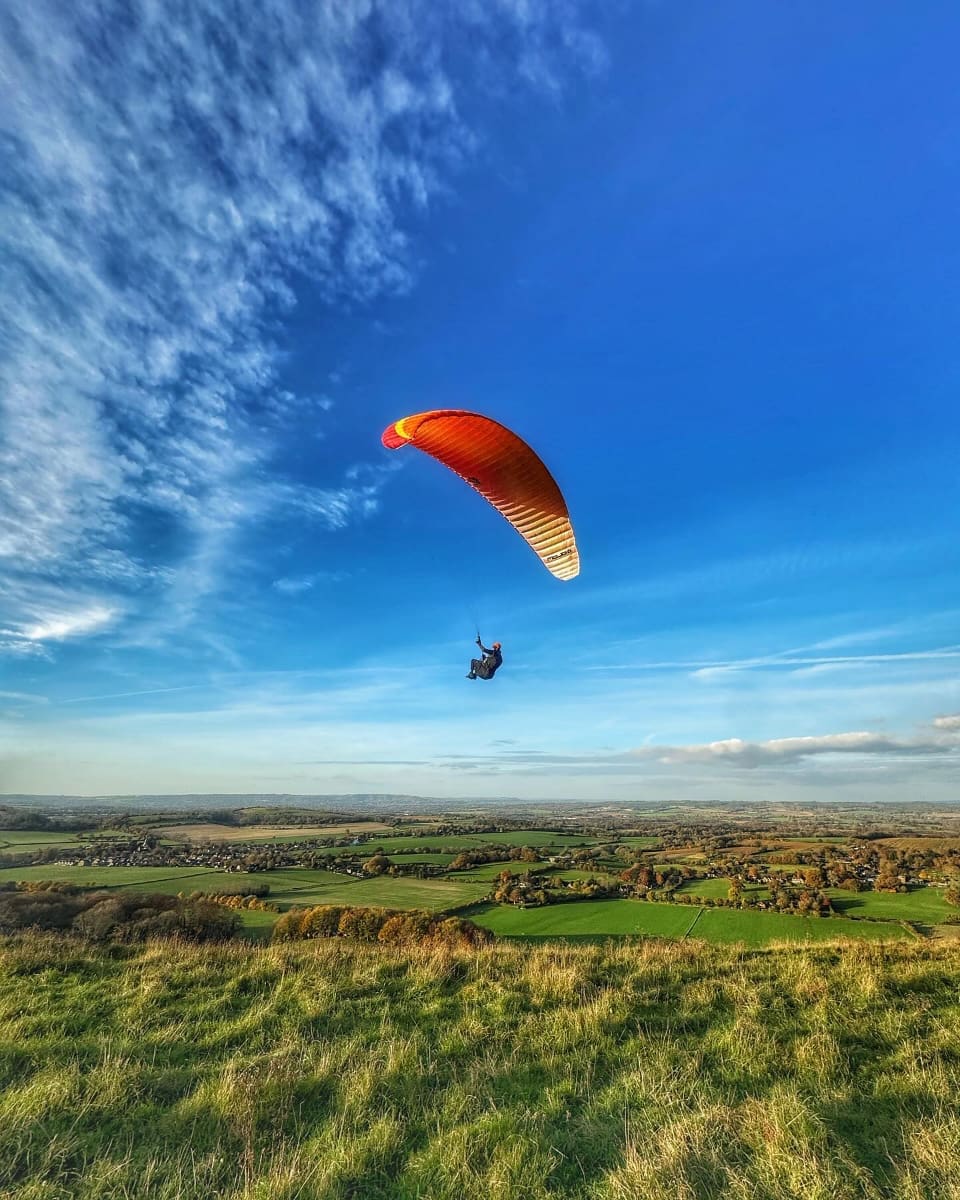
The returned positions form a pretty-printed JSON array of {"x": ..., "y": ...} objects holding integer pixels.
[{"x": 322, "y": 1070}]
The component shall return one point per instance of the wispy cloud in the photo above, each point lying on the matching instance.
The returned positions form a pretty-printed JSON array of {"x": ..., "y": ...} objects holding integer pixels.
[
  {"x": 70, "y": 624},
  {"x": 187, "y": 687},
  {"x": 294, "y": 585},
  {"x": 793, "y": 661},
  {"x": 163, "y": 175},
  {"x": 782, "y": 660}
]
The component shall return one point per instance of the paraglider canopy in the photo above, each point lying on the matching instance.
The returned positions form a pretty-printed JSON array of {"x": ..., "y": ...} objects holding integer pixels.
[{"x": 504, "y": 470}]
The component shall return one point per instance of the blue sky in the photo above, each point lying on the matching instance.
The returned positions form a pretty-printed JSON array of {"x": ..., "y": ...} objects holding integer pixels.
[{"x": 705, "y": 258}]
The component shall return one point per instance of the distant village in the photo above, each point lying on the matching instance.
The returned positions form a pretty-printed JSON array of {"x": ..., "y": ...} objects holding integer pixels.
[{"x": 531, "y": 875}]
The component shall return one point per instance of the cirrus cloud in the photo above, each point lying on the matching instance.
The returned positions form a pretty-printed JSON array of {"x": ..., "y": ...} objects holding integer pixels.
[{"x": 165, "y": 172}]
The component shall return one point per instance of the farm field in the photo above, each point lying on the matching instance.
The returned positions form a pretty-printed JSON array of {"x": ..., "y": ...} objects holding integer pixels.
[
  {"x": 635, "y": 840},
  {"x": 611, "y": 918},
  {"x": 143, "y": 879},
  {"x": 453, "y": 842},
  {"x": 926, "y": 905},
  {"x": 293, "y": 887},
  {"x": 256, "y": 924},
  {"x": 27, "y": 839},
  {"x": 756, "y": 929},
  {"x": 715, "y": 889},
  {"x": 490, "y": 871},
  {"x": 296, "y": 885},
  {"x": 599, "y": 873},
  {"x": 587, "y": 918},
  {"x": 303, "y": 887},
  {"x": 35, "y": 837},
  {"x": 432, "y": 894},
  {"x": 530, "y": 837},
  {"x": 438, "y": 859},
  {"x": 707, "y": 888},
  {"x": 392, "y": 845},
  {"x": 263, "y": 833}
]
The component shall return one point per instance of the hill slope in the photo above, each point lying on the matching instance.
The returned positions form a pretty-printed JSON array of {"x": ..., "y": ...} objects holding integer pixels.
[{"x": 322, "y": 1070}]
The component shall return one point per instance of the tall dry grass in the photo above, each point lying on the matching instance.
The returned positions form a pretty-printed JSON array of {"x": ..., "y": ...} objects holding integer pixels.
[{"x": 324, "y": 1070}]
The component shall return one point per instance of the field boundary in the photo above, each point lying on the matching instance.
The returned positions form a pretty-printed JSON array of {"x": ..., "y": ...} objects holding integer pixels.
[
  {"x": 692, "y": 923},
  {"x": 114, "y": 887}
]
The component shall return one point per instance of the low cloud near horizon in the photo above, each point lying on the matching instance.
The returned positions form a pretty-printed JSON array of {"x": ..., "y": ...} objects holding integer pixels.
[{"x": 942, "y": 737}]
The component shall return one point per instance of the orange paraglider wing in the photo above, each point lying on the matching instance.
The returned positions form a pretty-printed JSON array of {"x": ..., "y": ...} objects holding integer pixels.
[{"x": 504, "y": 470}]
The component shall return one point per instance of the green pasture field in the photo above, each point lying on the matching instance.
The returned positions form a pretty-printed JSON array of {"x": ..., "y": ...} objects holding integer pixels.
[
  {"x": 612, "y": 918},
  {"x": 288, "y": 887},
  {"x": 256, "y": 923},
  {"x": 640, "y": 843},
  {"x": 382, "y": 892},
  {"x": 530, "y": 837},
  {"x": 439, "y": 859},
  {"x": 211, "y": 831},
  {"x": 926, "y": 905},
  {"x": 755, "y": 929},
  {"x": 390, "y": 845},
  {"x": 304, "y": 888},
  {"x": 715, "y": 889},
  {"x": 296, "y": 885},
  {"x": 587, "y": 919},
  {"x": 362, "y": 853},
  {"x": 16, "y": 838},
  {"x": 489, "y": 871},
  {"x": 712, "y": 889},
  {"x": 432, "y": 894},
  {"x": 38, "y": 839},
  {"x": 599, "y": 874},
  {"x": 139, "y": 879},
  {"x": 453, "y": 842},
  {"x": 301, "y": 886}
]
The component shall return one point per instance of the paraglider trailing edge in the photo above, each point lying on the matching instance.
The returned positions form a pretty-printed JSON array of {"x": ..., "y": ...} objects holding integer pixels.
[{"x": 507, "y": 472}]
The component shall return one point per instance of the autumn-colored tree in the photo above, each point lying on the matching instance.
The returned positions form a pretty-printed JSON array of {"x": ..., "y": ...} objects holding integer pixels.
[
  {"x": 323, "y": 921},
  {"x": 404, "y": 928},
  {"x": 362, "y": 924}
]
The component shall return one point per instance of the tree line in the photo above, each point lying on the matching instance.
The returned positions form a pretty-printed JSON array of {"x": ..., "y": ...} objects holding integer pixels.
[
  {"x": 111, "y": 915},
  {"x": 383, "y": 925}
]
